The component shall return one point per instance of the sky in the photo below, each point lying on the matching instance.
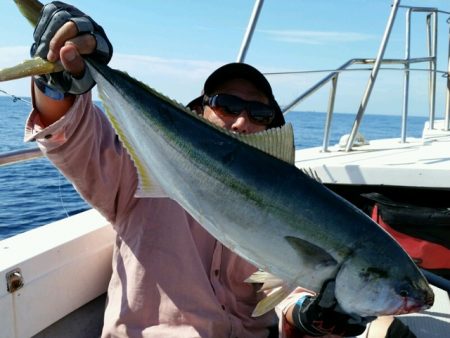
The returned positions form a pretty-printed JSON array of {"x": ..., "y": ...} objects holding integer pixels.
[{"x": 173, "y": 45}]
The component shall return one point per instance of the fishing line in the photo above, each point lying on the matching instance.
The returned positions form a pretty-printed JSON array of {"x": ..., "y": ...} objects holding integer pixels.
[
  {"x": 61, "y": 196},
  {"x": 15, "y": 99}
]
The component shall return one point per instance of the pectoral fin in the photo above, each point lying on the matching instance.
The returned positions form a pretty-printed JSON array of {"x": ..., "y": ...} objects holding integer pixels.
[{"x": 313, "y": 255}]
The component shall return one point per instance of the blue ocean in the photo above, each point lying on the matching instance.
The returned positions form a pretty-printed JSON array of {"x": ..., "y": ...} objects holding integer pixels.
[{"x": 34, "y": 193}]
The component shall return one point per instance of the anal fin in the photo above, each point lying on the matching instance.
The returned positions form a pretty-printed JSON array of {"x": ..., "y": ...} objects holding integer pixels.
[
  {"x": 268, "y": 280},
  {"x": 273, "y": 299},
  {"x": 279, "y": 290}
]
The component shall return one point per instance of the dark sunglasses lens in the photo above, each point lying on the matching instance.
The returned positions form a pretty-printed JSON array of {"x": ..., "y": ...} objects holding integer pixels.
[
  {"x": 262, "y": 113},
  {"x": 230, "y": 104}
]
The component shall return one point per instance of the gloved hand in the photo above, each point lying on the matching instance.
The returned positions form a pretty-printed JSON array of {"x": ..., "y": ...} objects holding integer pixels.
[
  {"x": 320, "y": 315},
  {"x": 53, "y": 16}
]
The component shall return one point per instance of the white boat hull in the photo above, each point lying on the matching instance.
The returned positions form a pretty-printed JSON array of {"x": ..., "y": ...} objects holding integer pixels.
[{"x": 64, "y": 265}]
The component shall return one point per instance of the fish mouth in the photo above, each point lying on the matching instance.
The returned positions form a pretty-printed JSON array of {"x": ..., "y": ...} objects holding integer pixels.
[{"x": 410, "y": 305}]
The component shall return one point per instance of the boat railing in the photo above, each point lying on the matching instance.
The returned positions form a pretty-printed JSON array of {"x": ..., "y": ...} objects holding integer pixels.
[
  {"x": 431, "y": 59},
  {"x": 16, "y": 156}
]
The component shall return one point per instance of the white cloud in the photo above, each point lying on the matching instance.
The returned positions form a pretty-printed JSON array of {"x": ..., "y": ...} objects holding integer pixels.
[
  {"x": 13, "y": 54},
  {"x": 179, "y": 79},
  {"x": 315, "y": 37}
]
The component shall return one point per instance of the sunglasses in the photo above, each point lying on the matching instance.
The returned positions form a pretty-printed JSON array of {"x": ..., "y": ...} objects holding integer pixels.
[{"x": 258, "y": 112}]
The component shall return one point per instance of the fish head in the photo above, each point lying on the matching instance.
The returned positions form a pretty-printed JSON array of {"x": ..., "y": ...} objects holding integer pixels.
[{"x": 381, "y": 290}]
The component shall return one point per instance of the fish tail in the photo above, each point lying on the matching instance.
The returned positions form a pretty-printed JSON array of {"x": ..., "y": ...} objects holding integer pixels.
[{"x": 30, "y": 9}]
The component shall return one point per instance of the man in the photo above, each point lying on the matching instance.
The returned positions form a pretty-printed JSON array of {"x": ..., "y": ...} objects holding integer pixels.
[{"x": 170, "y": 277}]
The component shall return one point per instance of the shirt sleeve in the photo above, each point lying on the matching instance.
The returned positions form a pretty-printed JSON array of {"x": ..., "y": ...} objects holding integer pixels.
[{"x": 84, "y": 147}]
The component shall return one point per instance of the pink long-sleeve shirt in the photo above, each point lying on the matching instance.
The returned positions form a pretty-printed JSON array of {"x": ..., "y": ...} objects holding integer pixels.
[{"x": 170, "y": 277}]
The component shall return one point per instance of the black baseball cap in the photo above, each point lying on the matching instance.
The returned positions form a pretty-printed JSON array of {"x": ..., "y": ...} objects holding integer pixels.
[{"x": 238, "y": 70}]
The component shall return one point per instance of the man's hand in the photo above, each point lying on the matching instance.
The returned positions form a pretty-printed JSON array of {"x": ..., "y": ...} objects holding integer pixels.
[
  {"x": 320, "y": 315},
  {"x": 65, "y": 33}
]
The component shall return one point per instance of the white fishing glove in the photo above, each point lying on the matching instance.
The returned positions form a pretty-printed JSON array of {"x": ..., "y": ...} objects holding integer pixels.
[{"x": 53, "y": 16}]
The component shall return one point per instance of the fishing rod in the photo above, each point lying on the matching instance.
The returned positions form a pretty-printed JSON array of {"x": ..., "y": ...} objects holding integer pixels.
[{"x": 14, "y": 97}]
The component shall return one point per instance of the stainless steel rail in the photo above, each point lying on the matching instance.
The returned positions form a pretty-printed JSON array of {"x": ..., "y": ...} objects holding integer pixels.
[
  {"x": 19, "y": 156},
  {"x": 250, "y": 29},
  {"x": 431, "y": 59},
  {"x": 373, "y": 76},
  {"x": 447, "y": 104}
]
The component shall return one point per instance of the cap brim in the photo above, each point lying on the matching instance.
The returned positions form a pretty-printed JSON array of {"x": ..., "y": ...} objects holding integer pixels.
[
  {"x": 195, "y": 103},
  {"x": 237, "y": 70}
]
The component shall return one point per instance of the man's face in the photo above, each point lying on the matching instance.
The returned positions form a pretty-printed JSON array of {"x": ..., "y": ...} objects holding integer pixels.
[{"x": 236, "y": 123}]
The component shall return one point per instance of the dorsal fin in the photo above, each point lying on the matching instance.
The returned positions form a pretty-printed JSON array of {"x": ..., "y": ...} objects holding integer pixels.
[{"x": 278, "y": 142}]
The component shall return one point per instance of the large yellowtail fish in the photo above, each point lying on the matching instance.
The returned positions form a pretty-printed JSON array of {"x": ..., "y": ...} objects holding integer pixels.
[{"x": 261, "y": 207}]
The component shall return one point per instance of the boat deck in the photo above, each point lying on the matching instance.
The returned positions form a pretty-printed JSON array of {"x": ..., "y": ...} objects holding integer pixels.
[{"x": 419, "y": 162}]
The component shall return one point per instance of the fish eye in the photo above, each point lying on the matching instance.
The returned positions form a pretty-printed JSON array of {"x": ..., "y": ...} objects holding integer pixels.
[{"x": 403, "y": 293}]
